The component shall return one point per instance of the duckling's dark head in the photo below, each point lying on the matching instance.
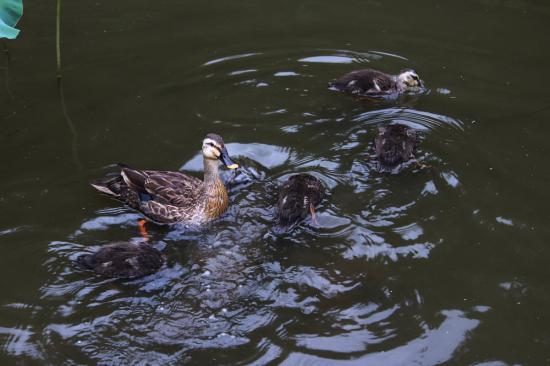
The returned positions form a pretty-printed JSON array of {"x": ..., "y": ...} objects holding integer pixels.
[
  {"x": 213, "y": 148},
  {"x": 408, "y": 80}
]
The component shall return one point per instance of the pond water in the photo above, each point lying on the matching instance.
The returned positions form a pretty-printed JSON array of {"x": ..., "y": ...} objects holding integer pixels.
[{"x": 447, "y": 265}]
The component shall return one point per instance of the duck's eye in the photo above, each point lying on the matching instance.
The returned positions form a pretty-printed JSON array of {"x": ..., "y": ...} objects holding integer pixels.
[{"x": 215, "y": 147}]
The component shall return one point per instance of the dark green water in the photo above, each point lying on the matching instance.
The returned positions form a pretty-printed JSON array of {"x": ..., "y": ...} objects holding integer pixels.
[{"x": 448, "y": 266}]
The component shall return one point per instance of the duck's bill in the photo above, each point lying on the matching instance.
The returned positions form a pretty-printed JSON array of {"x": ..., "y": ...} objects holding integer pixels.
[
  {"x": 421, "y": 86},
  {"x": 419, "y": 89},
  {"x": 226, "y": 160}
]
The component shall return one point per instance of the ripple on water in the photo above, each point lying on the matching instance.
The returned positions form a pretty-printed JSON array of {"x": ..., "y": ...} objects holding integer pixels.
[
  {"x": 433, "y": 347},
  {"x": 327, "y": 289},
  {"x": 420, "y": 120},
  {"x": 346, "y": 57}
]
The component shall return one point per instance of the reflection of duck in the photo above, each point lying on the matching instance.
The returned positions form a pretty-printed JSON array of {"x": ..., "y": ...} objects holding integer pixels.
[
  {"x": 168, "y": 197},
  {"x": 375, "y": 83},
  {"x": 298, "y": 196},
  {"x": 394, "y": 145},
  {"x": 124, "y": 260}
]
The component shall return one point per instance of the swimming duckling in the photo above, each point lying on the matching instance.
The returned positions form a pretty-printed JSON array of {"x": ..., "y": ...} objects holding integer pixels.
[
  {"x": 298, "y": 196},
  {"x": 373, "y": 83},
  {"x": 169, "y": 197},
  {"x": 123, "y": 260},
  {"x": 394, "y": 145}
]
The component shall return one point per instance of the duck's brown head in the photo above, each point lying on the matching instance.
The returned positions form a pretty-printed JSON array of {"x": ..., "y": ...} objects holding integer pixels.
[
  {"x": 408, "y": 80},
  {"x": 214, "y": 148}
]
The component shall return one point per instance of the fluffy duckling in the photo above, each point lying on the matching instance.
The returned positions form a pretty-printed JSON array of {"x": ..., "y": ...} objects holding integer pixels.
[
  {"x": 298, "y": 196},
  {"x": 373, "y": 83},
  {"x": 123, "y": 260},
  {"x": 169, "y": 197},
  {"x": 394, "y": 145}
]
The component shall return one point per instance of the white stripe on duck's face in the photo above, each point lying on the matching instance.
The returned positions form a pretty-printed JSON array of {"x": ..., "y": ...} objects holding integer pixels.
[
  {"x": 211, "y": 149},
  {"x": 410, "y": 79}
]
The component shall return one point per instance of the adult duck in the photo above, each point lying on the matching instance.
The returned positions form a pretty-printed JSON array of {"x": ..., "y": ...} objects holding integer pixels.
[
  {"x": 170, "y": 197},
  {"x": 374, "y": 83}
]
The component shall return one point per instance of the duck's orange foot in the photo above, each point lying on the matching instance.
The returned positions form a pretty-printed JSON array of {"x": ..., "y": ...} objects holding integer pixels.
[
  {"x": 422, "y": 166},
  {"x": 313, "y": 215},
  {"x": 142, "y": 230}
]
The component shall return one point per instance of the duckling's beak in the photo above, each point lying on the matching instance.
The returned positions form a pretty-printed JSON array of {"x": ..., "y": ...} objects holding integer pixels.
[{"x": 226, "y": 160}]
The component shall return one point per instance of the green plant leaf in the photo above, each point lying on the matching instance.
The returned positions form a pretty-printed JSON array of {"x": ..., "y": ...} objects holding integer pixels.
[{"x": 10, "y": 13}]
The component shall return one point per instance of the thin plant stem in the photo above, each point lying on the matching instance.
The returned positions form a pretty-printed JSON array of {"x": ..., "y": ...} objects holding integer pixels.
[
  {"x": 72, "y": 129},
  {"x": 58, "y": 38}
]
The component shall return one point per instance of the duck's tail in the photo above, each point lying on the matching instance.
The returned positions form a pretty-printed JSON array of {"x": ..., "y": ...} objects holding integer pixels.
[
  {"x": 333, "y": 85},
  {"x": 133, "y": 178},
  {"x": 112, "y": 185},
  {"x": 115, "y": 185}
]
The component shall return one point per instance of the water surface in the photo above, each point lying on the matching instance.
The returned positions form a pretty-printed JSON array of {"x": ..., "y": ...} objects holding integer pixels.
[{"x": 447, "y": 265}]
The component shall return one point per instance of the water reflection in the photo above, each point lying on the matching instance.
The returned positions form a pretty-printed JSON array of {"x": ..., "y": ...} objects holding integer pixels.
[
  {"x": 329, "y": 59},
  {"x": 18, "y": 342},
  {"x": 347, "y": 57},
  {"x": 433, "y": 346},
  {"x": 230, "y": 58}
]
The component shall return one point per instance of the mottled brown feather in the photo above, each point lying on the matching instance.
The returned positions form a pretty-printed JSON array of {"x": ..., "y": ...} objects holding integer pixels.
[
  {"x": 394, "y": 145},
  {"x": 364, "y": 82},
  {"x": 166, "y": 196},
  {"x": 296, "y": 196},
  {"x": 124, "y": 260}
]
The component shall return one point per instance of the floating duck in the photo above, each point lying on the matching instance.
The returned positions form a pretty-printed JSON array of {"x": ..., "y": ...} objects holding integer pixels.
[
  {"x": 123, "y": 260},
  {"x": 394, "y": 145},
  {"x": 298, "y": 197},
  {"x": 373, "y": 83},
  {"x": 170, "y": 197}
]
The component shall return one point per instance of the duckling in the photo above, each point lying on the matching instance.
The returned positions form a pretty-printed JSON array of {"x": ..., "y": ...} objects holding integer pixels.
[
  {"x": 298, "y": 196},
  {"x": 123, "y": 260},
  {"x": 394, "y": 145},
  {"x": 373, "y": 83},
  {"x": 168, "y": 197}
]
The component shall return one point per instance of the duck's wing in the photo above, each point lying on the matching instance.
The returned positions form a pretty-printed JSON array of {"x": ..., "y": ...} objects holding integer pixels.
[
  {"x": 315, "y": 190},
  {"x": 365, "y": 81},
  {"x": 292, "y": 206},
  {"x": 163, "y": 187},
  {"x": 175, "y": 188}
]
